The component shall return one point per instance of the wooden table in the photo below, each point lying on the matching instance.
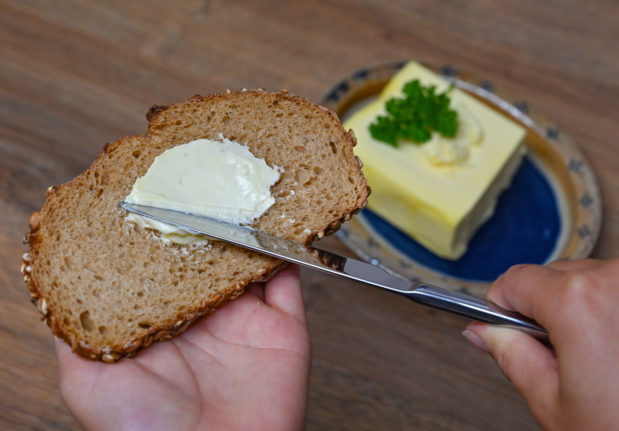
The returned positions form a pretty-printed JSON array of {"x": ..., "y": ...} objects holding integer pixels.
[{"x": 75, "y": 74}]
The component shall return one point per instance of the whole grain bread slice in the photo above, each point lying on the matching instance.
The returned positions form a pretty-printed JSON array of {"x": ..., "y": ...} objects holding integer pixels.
[{"x": 109, "y": 288}]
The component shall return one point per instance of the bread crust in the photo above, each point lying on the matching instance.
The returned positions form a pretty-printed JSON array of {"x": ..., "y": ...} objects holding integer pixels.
[{"x": 166, "y": 329}]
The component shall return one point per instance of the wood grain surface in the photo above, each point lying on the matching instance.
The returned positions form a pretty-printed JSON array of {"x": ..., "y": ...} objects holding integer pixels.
[{"x": 75, "y": 74}]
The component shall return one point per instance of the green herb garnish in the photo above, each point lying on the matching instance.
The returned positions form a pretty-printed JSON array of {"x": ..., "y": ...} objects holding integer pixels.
[{"x": 416, "y": 116}]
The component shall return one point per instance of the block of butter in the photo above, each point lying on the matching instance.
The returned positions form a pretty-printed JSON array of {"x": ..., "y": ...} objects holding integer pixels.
[{"x": 439, "y": 192}]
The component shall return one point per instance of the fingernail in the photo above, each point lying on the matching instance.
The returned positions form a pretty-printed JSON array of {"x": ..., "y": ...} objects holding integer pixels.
[{"x": 475, "y": 340}]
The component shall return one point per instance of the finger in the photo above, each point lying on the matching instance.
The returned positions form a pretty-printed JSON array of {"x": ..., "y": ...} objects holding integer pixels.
[
  {"x": 532, "y": 290},
  {"x": 575, "y": 265},
  {"x": 284, "y": 292},
  {"x": 75, "y": 372},
  {"x": 256, "y": 289},
  {"x": 69, "y": 363},
  {"x": 528, "y": 364}
]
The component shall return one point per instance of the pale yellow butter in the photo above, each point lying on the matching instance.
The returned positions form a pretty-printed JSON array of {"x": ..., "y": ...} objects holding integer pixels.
[
  {"x": 439, "y": 194},
  {"x": 220, "y": 178}
]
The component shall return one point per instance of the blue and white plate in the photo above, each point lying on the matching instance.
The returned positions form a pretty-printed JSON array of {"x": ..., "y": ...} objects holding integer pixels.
[{"x": 552, "y": 210}]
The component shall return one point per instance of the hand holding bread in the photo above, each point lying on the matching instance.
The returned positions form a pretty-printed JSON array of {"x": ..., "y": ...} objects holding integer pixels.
[{"x": 245, "y": 367}]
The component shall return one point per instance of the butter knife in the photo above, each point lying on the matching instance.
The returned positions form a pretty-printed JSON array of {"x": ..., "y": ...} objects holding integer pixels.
[{"x": 291, "y": 251}]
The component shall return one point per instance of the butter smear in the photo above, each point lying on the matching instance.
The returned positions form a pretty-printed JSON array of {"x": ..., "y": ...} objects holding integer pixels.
[{"x": 220, "y": 178}]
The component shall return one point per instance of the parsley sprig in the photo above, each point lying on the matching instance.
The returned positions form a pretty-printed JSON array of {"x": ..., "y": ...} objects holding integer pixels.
[{"x": 415, "y": 116}]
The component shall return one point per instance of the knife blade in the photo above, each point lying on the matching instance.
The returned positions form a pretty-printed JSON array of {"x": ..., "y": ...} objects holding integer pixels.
[{"x": 322, "y": 260}]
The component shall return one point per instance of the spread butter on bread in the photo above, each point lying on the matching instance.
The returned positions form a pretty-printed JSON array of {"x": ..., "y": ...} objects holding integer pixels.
[{"x": 109, "y": 287}]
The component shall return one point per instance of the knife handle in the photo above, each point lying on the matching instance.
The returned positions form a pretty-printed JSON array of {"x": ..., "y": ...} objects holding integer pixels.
[{"x": 475, "y": 308}]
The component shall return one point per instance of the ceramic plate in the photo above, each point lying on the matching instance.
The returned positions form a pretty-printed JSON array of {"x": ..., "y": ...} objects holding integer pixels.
[{"x": 552, "y": 209}]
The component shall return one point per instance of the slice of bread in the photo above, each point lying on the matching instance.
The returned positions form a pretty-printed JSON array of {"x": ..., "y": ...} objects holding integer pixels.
[{"x": 108, "y": 287}]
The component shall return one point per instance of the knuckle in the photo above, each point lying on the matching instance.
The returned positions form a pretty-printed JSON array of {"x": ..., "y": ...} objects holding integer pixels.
[
  {"x": 511, "y": 274},
  {"x": 511, "y": 277},
  {"x": 518, "y": 271},
  {"x": 581, "y": 291},
  {"x": 519, "y": 268}
]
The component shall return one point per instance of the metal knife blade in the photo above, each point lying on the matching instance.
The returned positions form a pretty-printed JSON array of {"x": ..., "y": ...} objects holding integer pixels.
[{"x": 291, "y": 251}]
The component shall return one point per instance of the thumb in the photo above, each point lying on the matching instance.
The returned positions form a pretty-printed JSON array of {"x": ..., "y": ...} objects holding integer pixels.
[{"x": 527, "y": 363}]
